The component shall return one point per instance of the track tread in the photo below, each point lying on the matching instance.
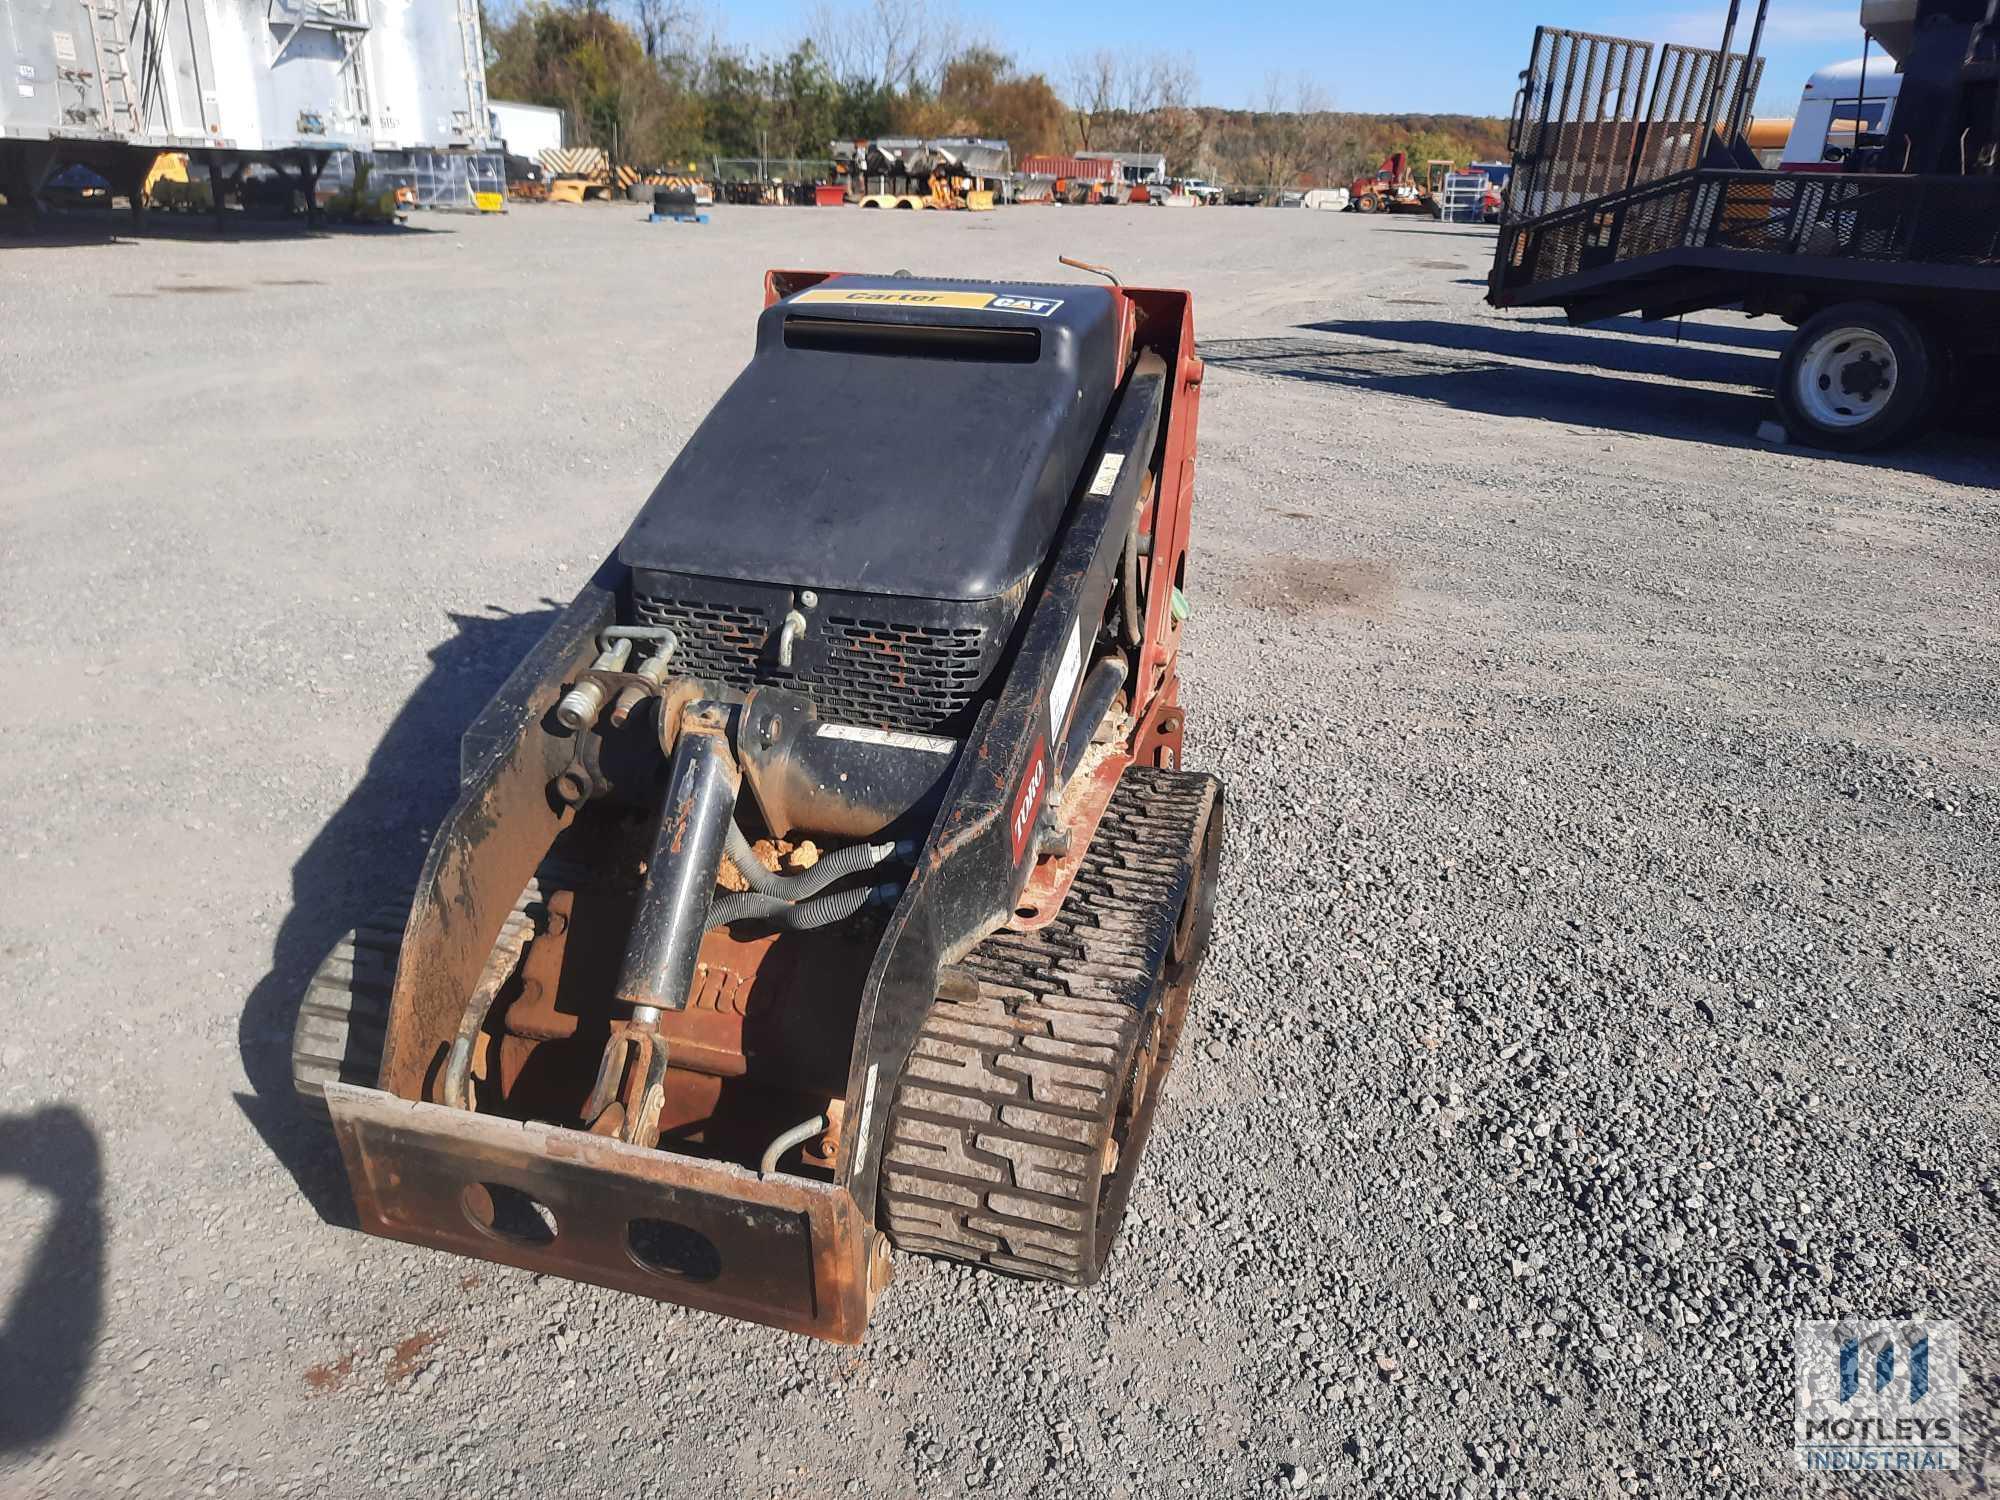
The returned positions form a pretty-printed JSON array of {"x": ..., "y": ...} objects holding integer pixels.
[{"x": 995, "y": 1144}]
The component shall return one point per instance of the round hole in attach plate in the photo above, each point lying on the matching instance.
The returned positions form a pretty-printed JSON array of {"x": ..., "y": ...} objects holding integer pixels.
[
  {"x": 509, "y": 1214},
  {"x": 669, "y": 1249},
  {"x": 1027, "y": 912}
]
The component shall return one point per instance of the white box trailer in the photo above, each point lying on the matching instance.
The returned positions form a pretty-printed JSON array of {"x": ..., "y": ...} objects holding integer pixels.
[
  {"x": 528, "y": 129},
  {"x": 235, "y": 75},
  {"x": 425, "y": 67},
  {"x": 109, "y": 83}
]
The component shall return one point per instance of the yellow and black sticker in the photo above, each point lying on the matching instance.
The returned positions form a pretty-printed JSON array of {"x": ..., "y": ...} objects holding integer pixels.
[{"x": 1034, "y": 307}]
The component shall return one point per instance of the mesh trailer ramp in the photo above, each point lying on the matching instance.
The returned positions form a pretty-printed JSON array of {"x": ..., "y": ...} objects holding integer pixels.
[{"x": 1634, "y": 192}]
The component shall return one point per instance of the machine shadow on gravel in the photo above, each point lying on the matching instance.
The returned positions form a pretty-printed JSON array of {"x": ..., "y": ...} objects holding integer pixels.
[
  {"x": 1676, "y": 331},
  {"x": 1451, "y": 366},
  {"x": 370, "y": 850},
  {"x": 72, "y": 231},
  {"x": 1591, "y": 351},
  {"x": 53, "y": 1314},
  {"x": 1468, "y": 382}
]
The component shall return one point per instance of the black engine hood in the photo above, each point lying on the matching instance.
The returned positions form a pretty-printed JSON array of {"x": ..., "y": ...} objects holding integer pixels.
[{"x": 892, "y": 436}]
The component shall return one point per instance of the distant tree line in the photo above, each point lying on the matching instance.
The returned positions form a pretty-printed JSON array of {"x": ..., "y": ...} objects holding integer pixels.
[{"x": 653, "y": 83}]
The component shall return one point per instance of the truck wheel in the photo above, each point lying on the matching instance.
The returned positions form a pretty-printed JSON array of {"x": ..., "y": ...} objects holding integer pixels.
[
  {"x": 1857, "y": 376},
  {"x": 1368, "y": 203}
]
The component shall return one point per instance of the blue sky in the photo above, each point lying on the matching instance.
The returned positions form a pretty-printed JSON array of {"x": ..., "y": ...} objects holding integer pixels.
[{"x": 1446, "y": 56}]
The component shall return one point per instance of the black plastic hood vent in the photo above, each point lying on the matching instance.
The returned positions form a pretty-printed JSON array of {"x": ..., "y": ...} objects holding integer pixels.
[{"x": 1000, "y": 346}]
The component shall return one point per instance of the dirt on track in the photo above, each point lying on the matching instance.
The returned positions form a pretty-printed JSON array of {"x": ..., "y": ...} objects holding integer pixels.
[{"x": 1605, "y": 976}]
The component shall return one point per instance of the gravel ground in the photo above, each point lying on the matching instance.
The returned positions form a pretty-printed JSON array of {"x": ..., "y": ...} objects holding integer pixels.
[{"x": 1605, "y": 975}]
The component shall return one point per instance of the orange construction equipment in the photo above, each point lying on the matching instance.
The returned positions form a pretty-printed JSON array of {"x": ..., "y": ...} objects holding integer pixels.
[{"x": 1392, "y": 190}]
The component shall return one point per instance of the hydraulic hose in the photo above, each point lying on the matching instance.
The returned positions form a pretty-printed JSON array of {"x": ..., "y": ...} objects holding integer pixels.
[
  {"x": 798, "y": 916},
  {"x": 798, "y": 1135},
  {"x": 1131, "y": 614},
  {"x": 830, "y": 867}
]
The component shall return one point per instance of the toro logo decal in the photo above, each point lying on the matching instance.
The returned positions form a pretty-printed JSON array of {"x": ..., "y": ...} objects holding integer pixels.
[{"x": 1028, "y": 800}]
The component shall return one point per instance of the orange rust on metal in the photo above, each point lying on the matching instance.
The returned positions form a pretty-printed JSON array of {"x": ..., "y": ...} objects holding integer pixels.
[
  {"x": 481, "y": 1059},
  {"x": 780, "y": 1004},
  {"x": 692, "y": 1103},
  {"x": 1167, "y": 325},
  {"x": 1127, "y": 320},
  {"x": 1080, "y": 811},
  {"x": 683, "y": 693},
  {"x": 781, "y": 284},
  {"x": 1085, "y": 265},
  {"x": 681, "y": 814},
  {"x": 730, "y": 1118},
  {"x": 1158, "y": 742},
  {"x": 494, "y": 840},
  {"x": 533, "y": 1013},
  {"x": 783, "y": 1250},
  {"x": 639, "y": 1105},
  {"x": 824, "y": 1151},
  {"x": 514, "y": 1055}
]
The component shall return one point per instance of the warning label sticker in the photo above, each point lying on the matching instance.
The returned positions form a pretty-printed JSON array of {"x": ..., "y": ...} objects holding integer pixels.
[
  {"x": 896, "y": 739},
  {"x": 1037, "y": 307},
  {"x": 1067, "y": 671}
]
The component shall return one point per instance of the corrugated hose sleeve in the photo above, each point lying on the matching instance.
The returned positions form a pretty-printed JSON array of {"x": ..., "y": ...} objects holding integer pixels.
[
  {"x": 799, "y": 916},
  {"x": 831, "y": 867}
]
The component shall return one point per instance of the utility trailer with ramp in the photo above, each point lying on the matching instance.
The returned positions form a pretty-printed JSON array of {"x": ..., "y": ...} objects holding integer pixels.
[{"x": 1635, "y": 193}]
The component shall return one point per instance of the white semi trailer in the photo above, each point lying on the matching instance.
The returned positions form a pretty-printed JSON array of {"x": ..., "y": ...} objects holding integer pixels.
[{"x": 109, "y": 84}]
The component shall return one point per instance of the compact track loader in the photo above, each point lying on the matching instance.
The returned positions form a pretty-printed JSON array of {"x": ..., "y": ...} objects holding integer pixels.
[{"x": 826, "y": 879}]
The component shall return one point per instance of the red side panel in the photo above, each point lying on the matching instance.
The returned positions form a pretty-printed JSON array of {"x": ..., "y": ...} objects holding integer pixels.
[
  {"x": 1166, "y": 324},
  {"x": 781, "y": 284}
]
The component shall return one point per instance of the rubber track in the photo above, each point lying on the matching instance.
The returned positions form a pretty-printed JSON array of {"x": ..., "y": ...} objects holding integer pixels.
[
  {"x": 344, "y": 1017},
  {"x": 994, "y": 1147}
]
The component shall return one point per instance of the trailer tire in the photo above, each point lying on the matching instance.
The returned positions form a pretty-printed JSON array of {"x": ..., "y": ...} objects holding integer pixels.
[{"x": 1858, "y": 376}]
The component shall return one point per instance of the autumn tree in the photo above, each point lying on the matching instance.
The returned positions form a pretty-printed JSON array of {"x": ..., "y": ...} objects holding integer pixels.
[
  {"x": 588, "y": 63},
  {"x": 982, "y": 93}
]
